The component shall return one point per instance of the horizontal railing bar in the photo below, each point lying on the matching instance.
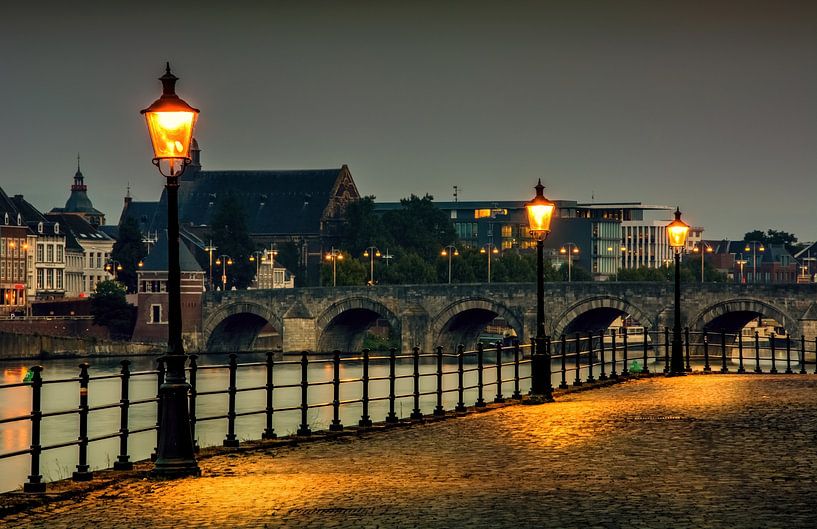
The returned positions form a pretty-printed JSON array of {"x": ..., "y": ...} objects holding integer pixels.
[
  {"x": 322, "y": 405},
  {"x": 140, "y": 430},
  {"x": 246, "y": 413},
  {"x": 103, "y": 437},
  {"x": 144, "y": 401},
  {"x": 105, "y": 377},
  {"x": 58, "y": 413},
  {"x": 253, "y": 388},
  {"x": 60, "y": 445},
  {"x": 212, "y": 392},
  {"x": 105, "y": 406},
  {"x": 14, "y": 419},
  {"x": 14, "y": 385},
  {"x": 16, "y": 453},
  {"x": 211, "y": 418},
  {"x": 60, "y": 381}
]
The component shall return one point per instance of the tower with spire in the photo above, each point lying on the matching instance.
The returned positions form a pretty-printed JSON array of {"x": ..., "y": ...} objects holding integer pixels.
[{"x": 78, "y": 202}]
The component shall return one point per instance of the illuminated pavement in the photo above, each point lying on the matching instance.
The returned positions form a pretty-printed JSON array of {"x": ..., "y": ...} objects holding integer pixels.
[{"x": 699, "y": 451}]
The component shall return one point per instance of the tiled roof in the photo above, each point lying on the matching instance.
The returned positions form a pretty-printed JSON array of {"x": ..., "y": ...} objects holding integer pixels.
[
  {"x": 77, "y": 230},
  {"x": 156, "y": 260}
]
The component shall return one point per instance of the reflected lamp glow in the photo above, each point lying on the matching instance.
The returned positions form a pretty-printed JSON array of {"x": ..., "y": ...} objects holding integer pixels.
[
  {"x": 540, "y": 213},
  {"x": 677, "y": 231}
]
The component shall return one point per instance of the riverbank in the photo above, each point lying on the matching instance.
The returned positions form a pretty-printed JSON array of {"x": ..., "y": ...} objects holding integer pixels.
[{"x": 14, "y": 346}]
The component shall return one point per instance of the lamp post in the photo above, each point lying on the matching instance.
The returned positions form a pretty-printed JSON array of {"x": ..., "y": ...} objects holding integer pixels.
[
  {"x": 741, "y": 262},
  {"x": 450, "y": 251},
  {"x": 677, "y": 234},
  {"x": 224, "y": 261},
  {"x": 570, "y": 249},
  {"x": 703, "y": 249},
  {"x": 210, "y": 249},
  {"x": 170, "y": 123},
  {"x": 334, "y": 256},
  {"x": 256, "y": 257},
  {"x": 540, "y": 212},
  {"x": 754, "y": 247},
  {"x": 112, "y": 267},
  {"x": 622, "y": 250},
  {"x": 371, "y": 252},
  {"x": 489, "y": 249}
]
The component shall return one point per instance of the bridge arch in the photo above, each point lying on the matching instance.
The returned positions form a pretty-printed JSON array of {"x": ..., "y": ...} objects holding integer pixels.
[
  {"x": 597, "y": 312},
  {"x": 236, "y": 326},
  {"x": 462, "y": 321},
  {"x": 733, "y": 314},
  {"x": 343, "y": 325}
]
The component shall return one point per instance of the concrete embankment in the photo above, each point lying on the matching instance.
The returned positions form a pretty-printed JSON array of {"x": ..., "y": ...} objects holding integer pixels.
[{"x": 16, "y": 346}]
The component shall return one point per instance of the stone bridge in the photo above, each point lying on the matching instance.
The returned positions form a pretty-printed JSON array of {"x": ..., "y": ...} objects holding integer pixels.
[{"x": 323, "y": 319}]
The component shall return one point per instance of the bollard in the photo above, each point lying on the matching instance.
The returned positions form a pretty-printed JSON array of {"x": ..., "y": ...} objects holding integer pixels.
[
  {"x": 603, "y": 374},
  {"x": 613, "y": 373},
  {"x": 269, "y": 431},
  {"x": 460, "y": 377},
  {"x": 35, "y": 479},
  {"x": 578, "y": 380},
  {"x": 160, "y": 379},
  {"x": 391, "y": 417},
  {"x": 740, "y": 352},
  {"x": 666, "y": 349},
  {"x": 231, "y": 440},
  {"x": 625, "y": 370},
  {"x": 773, "y": 370},
  {"x": 335, "y": 425},
  {"x": 688, "y": 367},
  {"x": 365, "y": 421},
  {"x": 499, "y": 397},
  {"x": 191, "y": 399},
  {"x": 480, "y": 403},
  {"x": 123, "y": 461},
  {"x": 82, "y": 473},
  {"x": 758, "y": 369},
  {"x": 563, "y": 383},
  {"x": 416, "y": 413},
  {"x": 645, "y": 369},
  {"x": 724, "y": 369},
  {"x": 788, "y": 355},
  {"x": 707, "y": 367},
  {"x": 803, "y": 355},
  {"x": 516, "y": 393},
  {"x": 304, "y": 429},
  {"x": 439, "y": 411},
  {"x": 590, "y": 377}
]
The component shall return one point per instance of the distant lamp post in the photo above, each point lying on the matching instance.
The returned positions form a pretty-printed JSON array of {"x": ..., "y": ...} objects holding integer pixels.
[
  {"x": 677, "y": 231},
  {"x": 334, "y": 256},
  {"x": 170, "y": 123},
  {"x": 702, "y": 249},
  {"x": 754, "y": 247},
  {"x": 371, "y": 252},
  {"x": 113, "y": 267},
  {"x": 224, "y": 261},
  {"x": 540, "y": 212},
  {"x": 741, "y": 262},
  {"x": 450, "y": 251},
  {"x": 489, "y": 249},
  {"x": 210, "y": 249},
  {"x": 256, "y": 257},
  {"x": 569, "y": 249},
  {"x": 622, "y": 250}
]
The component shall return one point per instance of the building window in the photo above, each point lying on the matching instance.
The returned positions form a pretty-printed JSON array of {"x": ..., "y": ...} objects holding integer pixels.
[
  {"x": 60, "y": 256},
  {"x": 482, "y": 213},
  {"x": 49, "y": 253},
  {"x": 99, "y": 260},
  {"x": 59, "y": 279},
  {"x": 40, "y": 253},
  {"x": 507, "y": 230},
  {"x": 155, "y": 314},
  {"x": 40, "y": 278}
]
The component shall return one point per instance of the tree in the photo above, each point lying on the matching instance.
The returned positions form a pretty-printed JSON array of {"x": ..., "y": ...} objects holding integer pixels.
[
  {"x": 229, "y": 233},
  {"x": 349, "y": 271},
  {"x": 362, "y": 227},
  {"x": 110, "y": 309},
  {"x": 128, "y": 250},
  {"x": 771, "y": 236},
  {"x": 410, "y": 269},
  {"x": 420, "y": 226}
]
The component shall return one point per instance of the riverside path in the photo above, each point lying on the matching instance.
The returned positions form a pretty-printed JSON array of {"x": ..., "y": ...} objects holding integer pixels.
[{"x": 697, "y": 451}]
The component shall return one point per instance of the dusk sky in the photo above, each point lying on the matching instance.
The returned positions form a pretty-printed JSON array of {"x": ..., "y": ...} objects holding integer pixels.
[{"x": 712, "y": 107}]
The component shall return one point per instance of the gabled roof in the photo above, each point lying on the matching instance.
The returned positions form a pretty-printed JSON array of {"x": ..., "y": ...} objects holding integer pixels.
[
  {"x": 156, "y": 260},
  {"x": 7, "y": 207},
  {"x": 810, "y": 251},
  {"x": 77, "y": 230},
  {"x": 143, "y": 213}
]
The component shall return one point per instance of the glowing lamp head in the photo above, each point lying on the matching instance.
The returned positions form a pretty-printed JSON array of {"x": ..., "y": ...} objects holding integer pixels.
[
  {"x": 677, "y": 231},
  {"x": 119, "y": 268},
  {"x": 562, "y": 250},
  {"x": 456, "y": 252},
  {"x": 218, "y": 262},
  {"x": 377, "y": 253},
  {"x": 444, "y": 253},
  {"x": 540, "y": 212},
  {"x": 340, "y": 257},
  {"x": 229, "y": 262},
  {"x": 575, "y": 249},
  {"x": 170, "y": 122},
  {"x": 482, "y": 250},
  {"x": 252, "y": 258},
  {"x": 495, "y": 251},
  {"x": 366, "y": 253}
]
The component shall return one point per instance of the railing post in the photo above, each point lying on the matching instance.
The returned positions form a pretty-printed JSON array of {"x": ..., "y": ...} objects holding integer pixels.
[
  {"x": 194, "y": 367},
  {"x": 688, "y": 367},
  {"x": 480, "y": 403},
  {"x": 439, "y": 411},
  {"x": 303, "y": 429},
  {"x": 517, "y": 394},
  {"x": 231, "y": 440},
  {"x": 613, "y": 372},
  {"x": 123, "y": 461},
  {"x": 788, "y": 355},
  {"x": 269, "y": 431},
  {"x": 35, "y": 479},
  {"x": 724, "y": 369},
  {"x": 365, "y": 421},
  {"x": 590, "y": 377},
  {"x": 758, "y": 369},
  {"x": 335, "y": 425},
  {"x": 626, "y": 369},
  {"x": 160, "y": 379},
  {"x": 563, "y": 342},
  {"x": 707, "y": 367},
  {"x": 416, "y": 413},
  {"x": 666, "y": 349},
  {"x": 577, "y": 343},
  {"x": 460, "y": 380},
  {"x": 82, "y": 473},
  {"x": 391, "y": 417},
  {"x": 645, "y": 369},
  {"x": 740, "y": 352},
  {"x": 499, "y": 397},
  {"x": 603, "y": 374},
  {"x": 773, "y": 370},
  {"x": 803, "y": 355}
]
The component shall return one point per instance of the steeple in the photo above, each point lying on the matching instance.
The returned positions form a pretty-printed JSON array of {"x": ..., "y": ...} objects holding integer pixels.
[
  {"x": 79, "y": 180},
  {"x": 195, "y": 156}
]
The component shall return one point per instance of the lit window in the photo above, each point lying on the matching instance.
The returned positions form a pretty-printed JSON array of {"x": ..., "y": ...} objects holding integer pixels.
[{"x": 482, "y": 213}]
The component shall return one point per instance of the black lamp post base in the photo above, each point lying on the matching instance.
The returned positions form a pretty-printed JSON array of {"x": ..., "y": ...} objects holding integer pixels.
[
  {"x": 175, "y": 468},
  {"x": 123, "y": 464},
  {"x": 676, "y": 374},
  {"x": 83, "y": 475}
]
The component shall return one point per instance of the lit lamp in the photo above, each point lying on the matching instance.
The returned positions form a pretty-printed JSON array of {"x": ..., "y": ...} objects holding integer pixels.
[
  {"x": 489, "y": 249},
  {"x": 677, "y": 231},
  {"x": 569, "y": 249},
  {"x": 540, "y": 213},
  {"x": 334, "y": 256},
  {"x": 170, "y": 123},
  {"x": 371, "y": 252},
  {"x": 450, "y": 251}
]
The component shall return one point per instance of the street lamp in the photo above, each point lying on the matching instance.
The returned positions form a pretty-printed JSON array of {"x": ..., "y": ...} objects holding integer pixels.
[
  {"x": 489, "y": 249},
  {"x": 224, "y": 261},
  {"x": 741, "y": 262},
  {"x": 170, "y": 123},
  {"x": 622, "y": 250},
  {"x": 703, "y": 249},
  {"x": 210, "y": 249},
  {"x": 677, "y": 234},
  {"x": 112, "y": 267},
  {"x": 334, "y": 256},
  {"x": 256, "y": 257},
  {"x": 570, "y": 249},
  {"x": 371, "y": 252},
  {"x": 540, "y": 213},
  {"x": 450, "y": 251},
  {"x": 754, "y": 247}
]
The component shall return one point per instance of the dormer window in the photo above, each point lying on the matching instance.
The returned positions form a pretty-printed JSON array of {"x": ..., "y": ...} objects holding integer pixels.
[
  {"x": 7, "y": 219},
  {"x": 19, "y": 219},
  {"x": 56, "y": 227},
  {"x": 40, "y": 227}
]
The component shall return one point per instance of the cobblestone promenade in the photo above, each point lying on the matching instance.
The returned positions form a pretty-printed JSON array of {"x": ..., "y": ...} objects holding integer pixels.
[{"x": 699, "y": 451}]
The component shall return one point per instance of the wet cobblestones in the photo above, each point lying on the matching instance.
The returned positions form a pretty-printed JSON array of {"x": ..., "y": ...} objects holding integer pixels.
[{"x": 699, "y": 451}]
